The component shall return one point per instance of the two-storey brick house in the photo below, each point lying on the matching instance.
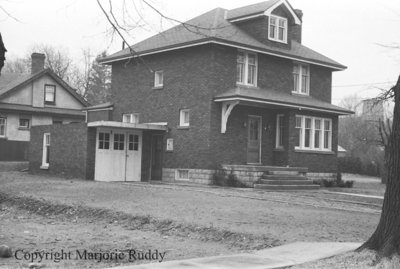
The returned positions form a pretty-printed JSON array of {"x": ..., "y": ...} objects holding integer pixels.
[{"x": 230, "y": 87}]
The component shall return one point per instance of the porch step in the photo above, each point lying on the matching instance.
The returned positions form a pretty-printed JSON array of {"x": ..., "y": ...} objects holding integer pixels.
[
  {"x": 285, "y": 182},
  {"x": 284, "y": 177},
  {"x": 285, "y": 187}
]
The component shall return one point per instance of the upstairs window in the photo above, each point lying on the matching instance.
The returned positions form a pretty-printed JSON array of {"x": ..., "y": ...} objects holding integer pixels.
[
  {"x": 246, "y": 68},
  {"x": 158, "y": 79},
  {"x": 301, "y": 79},
  {"x": 278, "y": 28},
  {"x": 50, "y": 94},
  {"x": 2, "y": 127},
  {"x": 130, "y": 118},
  {"x": 184, "y": 118}
]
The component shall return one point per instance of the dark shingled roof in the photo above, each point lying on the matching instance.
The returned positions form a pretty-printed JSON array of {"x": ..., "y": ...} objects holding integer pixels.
[
  {"x": 213, "y": 27},
  {"x": 280, "y": 98},
  {"x": 250, "y": 9}
]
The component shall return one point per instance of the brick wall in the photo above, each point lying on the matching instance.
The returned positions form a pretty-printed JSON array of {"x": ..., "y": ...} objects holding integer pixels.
[
  {"x": 68, "y": 149},
  {"x": 99, "y": 115},
  {"x": 192, "y": 77}
]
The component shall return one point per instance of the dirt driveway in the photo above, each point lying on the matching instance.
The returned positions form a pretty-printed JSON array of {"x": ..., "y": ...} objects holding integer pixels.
[{"x": 187, "y": 221}]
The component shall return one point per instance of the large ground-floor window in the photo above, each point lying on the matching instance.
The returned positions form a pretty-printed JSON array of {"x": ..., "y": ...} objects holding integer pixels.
[{"x": 313, "y": 133}]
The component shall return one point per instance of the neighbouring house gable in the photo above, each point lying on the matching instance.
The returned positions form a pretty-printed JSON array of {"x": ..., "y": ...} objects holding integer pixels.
[{"x": 30, "y": 90}]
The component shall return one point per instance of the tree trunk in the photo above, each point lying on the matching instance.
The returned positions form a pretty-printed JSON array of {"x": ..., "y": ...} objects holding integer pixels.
[{"x": 386, "y": 238}]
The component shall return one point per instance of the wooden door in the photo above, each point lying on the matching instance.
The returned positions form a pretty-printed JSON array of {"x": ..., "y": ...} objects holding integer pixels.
[
  {"x": 254, "y": 140},
  {"x": 156, "y": 157}
]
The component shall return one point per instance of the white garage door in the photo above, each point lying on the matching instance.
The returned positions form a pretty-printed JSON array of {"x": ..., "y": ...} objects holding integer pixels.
[{"x": 118, "y": 155}]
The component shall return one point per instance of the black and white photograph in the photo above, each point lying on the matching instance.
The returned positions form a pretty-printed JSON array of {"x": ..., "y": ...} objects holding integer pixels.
[{"x": 140, "y": 134}]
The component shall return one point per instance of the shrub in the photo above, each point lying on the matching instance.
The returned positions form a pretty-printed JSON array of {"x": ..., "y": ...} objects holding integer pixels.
[
  {"x": 326, "y": 183},
  {"x": 220, "y": 178}
]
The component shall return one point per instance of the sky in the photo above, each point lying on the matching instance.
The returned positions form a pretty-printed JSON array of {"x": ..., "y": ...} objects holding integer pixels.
[{"x": 353, "y": 32}]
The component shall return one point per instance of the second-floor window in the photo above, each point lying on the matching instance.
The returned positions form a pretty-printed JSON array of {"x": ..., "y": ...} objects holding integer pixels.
[
  {"x": 3, "y": 122},
  {"x": 130, "y": 118},
  {"x": 278, "y": 29},
  {"x": 158, "y": 78},
  {"x": 301, "y": 78},
  {"x": 50, "y": 94},
  {"x": 246, "y": 68}
]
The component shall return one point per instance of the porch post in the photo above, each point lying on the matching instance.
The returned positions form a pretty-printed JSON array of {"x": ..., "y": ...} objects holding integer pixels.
[{"x": 226, "y": 111}]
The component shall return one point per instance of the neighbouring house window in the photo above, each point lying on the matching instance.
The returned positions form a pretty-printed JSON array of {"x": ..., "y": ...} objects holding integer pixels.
[
  {"x": 130, "y": 118},
  {"x": 119, "y": 141},
  {"x": 46, "y": 151},
  {"x": 104, "y": 140},
  {"x": 182, "y": 174},
  {"x": 3, "y": 122},
  {"x": 133, "y": 142},
  {"x": 301, "y": 78},
  {"x": 184, "y": 117},
  {"x": 309, "y": 133},
  {"x": 24, "y": 123},
  {"x": 278, "y": 28},
  {"x": 279, "y": 130},
  {"x": 158, "y": 78},
  {"x": 246, "y": 68},
  {"x": 49, "y": 94}
]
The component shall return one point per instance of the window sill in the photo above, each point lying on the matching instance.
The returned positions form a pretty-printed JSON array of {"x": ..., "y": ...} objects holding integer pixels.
[
  {"x": 182, "y": 127},
  {"x": 301, "y": 94},
  {"x": 44, "y": 167},
  {"x": 160, "y": 87},
  {"x": 314, "y": 151},
  {"x": 277, "y": 40},
  {"x": 247, "y": 85}
]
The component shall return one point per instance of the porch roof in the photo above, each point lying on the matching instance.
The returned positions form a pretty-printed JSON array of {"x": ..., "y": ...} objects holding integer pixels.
[
  {"x": 125, "y": 125},
  {"x": 280, "y": 99}
]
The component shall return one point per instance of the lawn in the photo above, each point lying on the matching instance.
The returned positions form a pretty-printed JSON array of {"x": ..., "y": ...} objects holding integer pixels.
[
  {"x": 363, "y": 185},
  {"x": 182, "y": 221}
]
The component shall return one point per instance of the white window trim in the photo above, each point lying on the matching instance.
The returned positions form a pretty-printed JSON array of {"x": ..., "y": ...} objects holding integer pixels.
[
  {"x": 181, "y": 118},
  {"x": 5, "y": 127},
  {"x": 156, "y": 74},
  {"x": 246, "y": 69},
  {"x": 45, "y": 165},
  {"x": 300, "y": 80},
  {"x": 312, "y": 134},
  {"x": 276, "y": 33},
  {"x": 278, "y": 132},
  {"x": 177, "y": 177},
  {"x": 130, "y": 117}
]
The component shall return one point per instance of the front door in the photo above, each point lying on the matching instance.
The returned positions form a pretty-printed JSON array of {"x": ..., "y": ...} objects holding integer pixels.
[
  {"x": 156, "y": 157},
  {"x": 254, "y": 140}
]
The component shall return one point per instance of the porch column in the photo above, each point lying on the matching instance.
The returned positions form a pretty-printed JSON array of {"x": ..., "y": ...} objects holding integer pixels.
[{"x": 227, "y": 107}]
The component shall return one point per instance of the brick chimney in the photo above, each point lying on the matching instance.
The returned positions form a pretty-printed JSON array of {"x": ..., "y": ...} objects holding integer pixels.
[
  {"x": 297, "y": 28},
  {"x": 37, "y": 62}
]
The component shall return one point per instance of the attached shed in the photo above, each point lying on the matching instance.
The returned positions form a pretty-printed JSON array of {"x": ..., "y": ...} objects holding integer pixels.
[{"x": 101, "y": 150}]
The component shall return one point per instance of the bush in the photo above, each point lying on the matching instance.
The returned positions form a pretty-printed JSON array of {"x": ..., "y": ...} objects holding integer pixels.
[
  {"x": 220, "y": 178},
  {"x": 337, "y": 183}
]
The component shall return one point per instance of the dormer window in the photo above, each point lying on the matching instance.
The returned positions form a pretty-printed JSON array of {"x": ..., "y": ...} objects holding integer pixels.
[
  {"x": 246, "y": 68},
  {"x": 278, "y": 28}
]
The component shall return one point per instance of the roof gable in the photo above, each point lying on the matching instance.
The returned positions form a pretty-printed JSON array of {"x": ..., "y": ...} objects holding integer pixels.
[
  {"x": 260, "y": 9},
  {"x": 10, "y": 83}
]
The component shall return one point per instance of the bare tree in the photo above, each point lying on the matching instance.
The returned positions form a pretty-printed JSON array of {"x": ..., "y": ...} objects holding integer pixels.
[
  {"x": 385, "y": 240},
  {"x": 2, "y": 53},
  {"x": 350, "y": 102}
]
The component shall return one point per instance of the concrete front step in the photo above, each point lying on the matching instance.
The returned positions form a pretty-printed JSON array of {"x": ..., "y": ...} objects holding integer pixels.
[
  {"x": 283, "y": 177},
  {"x": 285, "y": 182},
  {"x": 285, "y": 187}
]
